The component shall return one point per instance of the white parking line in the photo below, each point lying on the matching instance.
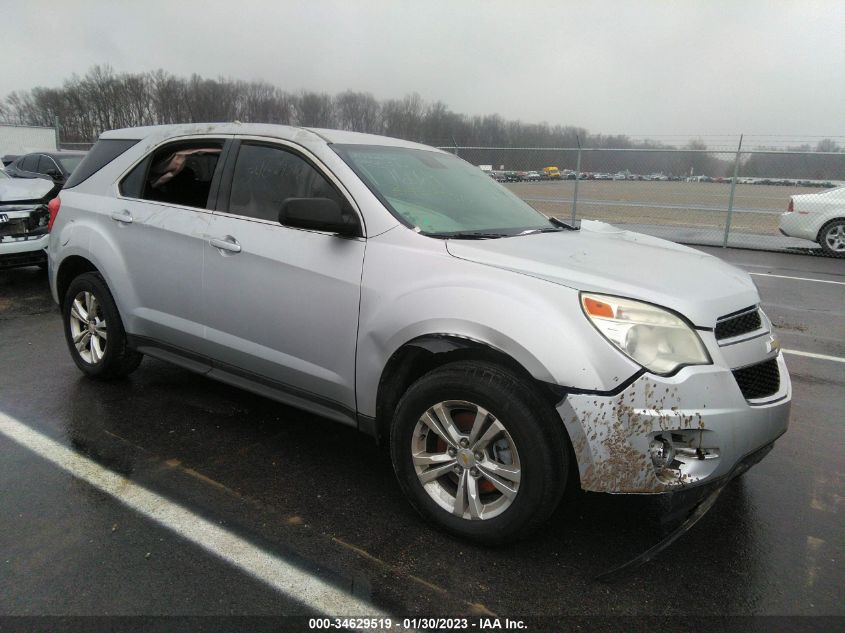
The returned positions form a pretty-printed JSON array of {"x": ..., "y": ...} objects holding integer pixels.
[
  {"x": 260, "y": 564},
  {"x": 795, "y": 352},
  {"x": 821, "y": 281}
]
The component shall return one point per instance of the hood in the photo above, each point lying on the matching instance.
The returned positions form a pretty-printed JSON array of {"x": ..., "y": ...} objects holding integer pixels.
[
  {"x": 602, "y": 258},
  {"x": 24, "y": 189}
]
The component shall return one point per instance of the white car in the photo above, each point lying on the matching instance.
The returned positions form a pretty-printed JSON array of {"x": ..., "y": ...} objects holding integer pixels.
[
  {"x": 818, "y": 217},
  {"x": 23, "y": 221}
]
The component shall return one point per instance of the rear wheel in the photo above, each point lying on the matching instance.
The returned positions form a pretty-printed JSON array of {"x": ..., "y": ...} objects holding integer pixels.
[
  {"x": 93, "y": 330},
  {"x": 832, "y": 238},
  {"x": 478, "y": 452}
]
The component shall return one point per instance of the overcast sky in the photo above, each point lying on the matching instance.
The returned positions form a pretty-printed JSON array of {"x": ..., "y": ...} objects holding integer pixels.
[{"x": 639, "y": 68}]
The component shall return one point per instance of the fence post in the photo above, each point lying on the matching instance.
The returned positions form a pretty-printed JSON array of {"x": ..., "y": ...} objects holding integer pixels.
[
  {"x": 577, "y": 177},
  {"x": 731, "y": 197},
  {"x": 58, "y": 135}
]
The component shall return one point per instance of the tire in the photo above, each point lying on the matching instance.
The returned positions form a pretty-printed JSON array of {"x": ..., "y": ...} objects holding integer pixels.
[
  {"x": 518, "y": 435},
  {"x": 832, "y": 238},
  {"x": 102, "y": 353}
]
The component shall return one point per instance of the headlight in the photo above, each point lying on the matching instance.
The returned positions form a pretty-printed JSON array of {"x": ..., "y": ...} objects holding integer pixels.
[{"x": 657, "y": 339}]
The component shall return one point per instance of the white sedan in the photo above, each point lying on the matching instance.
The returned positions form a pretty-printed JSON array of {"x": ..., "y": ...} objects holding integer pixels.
[{"x": 818, "y": 217}]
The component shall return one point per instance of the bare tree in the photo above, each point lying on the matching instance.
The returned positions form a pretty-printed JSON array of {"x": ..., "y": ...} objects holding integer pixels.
[
  {"x": 314, "y": 109},
  {"x": 102, "y": 100},
  {"x": 357, "y": 111}
]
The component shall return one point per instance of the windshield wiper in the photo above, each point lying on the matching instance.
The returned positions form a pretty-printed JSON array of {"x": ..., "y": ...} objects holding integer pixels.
[
  {"x": 469, "y": 235},
  {"x": 551, "y": 229},
  {"x": 559, "y": 225},
  {"x": 568, "y": 225}
]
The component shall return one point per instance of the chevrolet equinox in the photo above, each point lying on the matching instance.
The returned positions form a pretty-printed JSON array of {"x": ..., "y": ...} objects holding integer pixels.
[{"x": 500, "y": 354}]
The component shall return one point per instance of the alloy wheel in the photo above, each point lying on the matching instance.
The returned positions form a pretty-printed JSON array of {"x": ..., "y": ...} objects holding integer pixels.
[
  {"x": 466, "y": 460},
  {"x": 88, "y": 327},
  {"x": 835, "y": 238}
]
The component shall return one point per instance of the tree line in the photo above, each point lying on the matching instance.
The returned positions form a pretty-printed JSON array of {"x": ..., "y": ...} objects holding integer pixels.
[{"x": 103, "y": 99}]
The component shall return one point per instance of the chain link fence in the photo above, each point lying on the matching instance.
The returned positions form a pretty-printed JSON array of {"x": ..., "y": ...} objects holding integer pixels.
[
  {"x": 769, "y": 199},
  {"x": 80, "y": 147},
  {"x": 752, "y": 192}
]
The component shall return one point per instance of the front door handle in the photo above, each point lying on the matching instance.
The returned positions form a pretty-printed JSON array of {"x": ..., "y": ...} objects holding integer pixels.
[
  {"x": 227, "y": 243},
  {"x": 122, "y": 216}
]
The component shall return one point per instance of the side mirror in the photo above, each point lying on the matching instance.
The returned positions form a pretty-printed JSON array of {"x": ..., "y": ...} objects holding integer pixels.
[
  {"x": 55, "y": 174},
  {"x": 317, "y": 214}
]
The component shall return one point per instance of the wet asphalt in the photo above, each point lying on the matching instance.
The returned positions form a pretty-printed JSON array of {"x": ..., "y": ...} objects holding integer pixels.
[{"x": 324, "y": 498}]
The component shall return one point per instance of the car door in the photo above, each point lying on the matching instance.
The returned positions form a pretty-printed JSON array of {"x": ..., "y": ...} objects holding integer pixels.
[
  {"x": 282, "y": 303},
  {"x": 160, "y": 220}
]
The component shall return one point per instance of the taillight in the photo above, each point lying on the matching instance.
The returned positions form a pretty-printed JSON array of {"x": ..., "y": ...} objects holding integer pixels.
[
  {"x": 791, "y": 206},
  {"x": 53, "y": 208}
]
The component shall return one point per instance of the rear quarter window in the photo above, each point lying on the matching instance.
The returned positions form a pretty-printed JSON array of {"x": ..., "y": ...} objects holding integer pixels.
[{"x": 103, "y": 152}]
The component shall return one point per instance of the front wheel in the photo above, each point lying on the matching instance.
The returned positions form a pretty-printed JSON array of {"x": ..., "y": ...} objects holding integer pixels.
[
  {"x": 93, "y": 330},
  {"x": 832, "y": 238},
  {"x": 479, "y": 452}
]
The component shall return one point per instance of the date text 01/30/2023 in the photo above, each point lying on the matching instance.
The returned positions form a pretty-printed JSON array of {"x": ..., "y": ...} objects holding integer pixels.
[{"x": 417, "y": 624}]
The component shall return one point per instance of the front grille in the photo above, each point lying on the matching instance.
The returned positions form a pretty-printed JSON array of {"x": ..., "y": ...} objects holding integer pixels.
[
  {"x": 16, "y": 224},
  {"x": 14, "y": 228},
  {"x": 758, "y": 381},
  {"x": 741, "y": 323}
]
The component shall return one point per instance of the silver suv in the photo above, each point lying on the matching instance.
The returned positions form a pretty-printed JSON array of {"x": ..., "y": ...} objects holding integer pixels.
[{"x": 500, "y": 354}]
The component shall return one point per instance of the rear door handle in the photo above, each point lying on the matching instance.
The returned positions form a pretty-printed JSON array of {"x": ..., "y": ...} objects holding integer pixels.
[
  {"x": 227, "y": 243},
  {"x": 122, "y": 216}
]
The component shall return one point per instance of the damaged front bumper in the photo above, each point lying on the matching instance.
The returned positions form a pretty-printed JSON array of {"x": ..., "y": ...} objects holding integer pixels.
[
  {"x": 664, "y": 433},
  {"x": 23, "y": 235}
]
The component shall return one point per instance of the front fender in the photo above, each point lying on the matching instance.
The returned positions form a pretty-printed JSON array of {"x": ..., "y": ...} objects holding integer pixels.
[{"x": 537, "y": 323}]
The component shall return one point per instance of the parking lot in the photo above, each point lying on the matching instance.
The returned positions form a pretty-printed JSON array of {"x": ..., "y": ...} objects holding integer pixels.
[
  {"x": 230, "y": 504},
  {"x": 689, "y": 204}
]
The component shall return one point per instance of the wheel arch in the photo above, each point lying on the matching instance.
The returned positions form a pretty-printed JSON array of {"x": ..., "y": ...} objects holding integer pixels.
[
  {"x": 427, "y": 352},
  {"x": 69, "y": 269}
]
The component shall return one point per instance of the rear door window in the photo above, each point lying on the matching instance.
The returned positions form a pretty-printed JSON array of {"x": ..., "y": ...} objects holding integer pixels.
[{"x": 179, "y": 173}]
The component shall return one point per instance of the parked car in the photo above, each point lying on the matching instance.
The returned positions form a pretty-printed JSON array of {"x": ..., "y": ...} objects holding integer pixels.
[
  {"x": 500, "y": 355},
  {"x": 818, "y": 217},
  {"x": 531, "y": 176},
  {"x": 57, "y": 166},
  {"x": 23, "y": 221}
]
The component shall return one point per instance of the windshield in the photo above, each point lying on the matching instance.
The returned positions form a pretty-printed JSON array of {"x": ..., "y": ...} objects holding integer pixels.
[
  {"x": 70, "y": 162},
  {"x": 440, "y": 194}
]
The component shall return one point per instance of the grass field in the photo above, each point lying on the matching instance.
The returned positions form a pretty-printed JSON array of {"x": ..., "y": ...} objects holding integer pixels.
[{"x": 688, "y": 204}]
